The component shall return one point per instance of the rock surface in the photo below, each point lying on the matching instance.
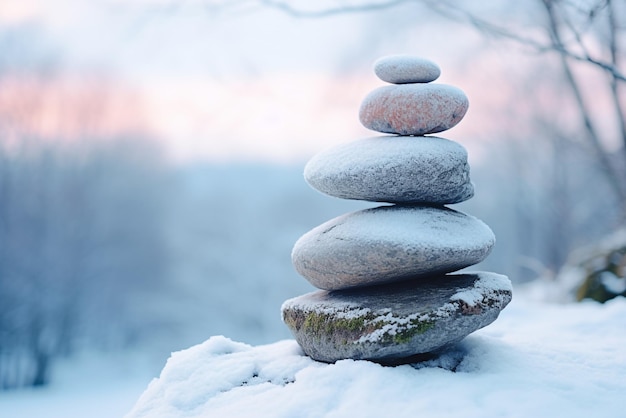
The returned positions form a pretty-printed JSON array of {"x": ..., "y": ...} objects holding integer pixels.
[
  {"x": 413, "y": 109},
  {"x": 393, "y": 169},
  {"x": 390, "y": 243},
  {"x": 401, "y": 69},
  {"x": 394, "y": 323}
]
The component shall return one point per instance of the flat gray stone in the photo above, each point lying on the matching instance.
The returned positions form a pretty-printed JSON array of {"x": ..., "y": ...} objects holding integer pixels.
[
  {"x": 413, "y": 109},
  {"x": 394, "y": 323},
  {"x": 390, "y": 243},
  {"x": 393, "y": 169},
  {"x": 401, "y": 69}
]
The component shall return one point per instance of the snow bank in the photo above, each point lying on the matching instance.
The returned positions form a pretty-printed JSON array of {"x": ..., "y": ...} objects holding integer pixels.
[{"x": 536, "y": 360}]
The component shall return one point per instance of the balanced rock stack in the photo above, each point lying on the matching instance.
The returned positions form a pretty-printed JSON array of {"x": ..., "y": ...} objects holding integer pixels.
[{"x": 386, "y": 293}]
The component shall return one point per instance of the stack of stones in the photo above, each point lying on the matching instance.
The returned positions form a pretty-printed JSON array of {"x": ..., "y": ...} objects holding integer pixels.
[{"x": 387, "y": 294}]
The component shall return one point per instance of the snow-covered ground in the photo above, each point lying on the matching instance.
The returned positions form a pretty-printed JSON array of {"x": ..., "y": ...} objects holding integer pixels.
[
  {"x": 536, "y": 360},
  {"x": 95, "y": 385}
]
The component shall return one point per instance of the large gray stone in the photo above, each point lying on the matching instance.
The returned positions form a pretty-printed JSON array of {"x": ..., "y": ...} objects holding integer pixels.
[
  {"x": 413, "y": 109},
  {"x": 393, "y": 169},
  {"x": 390, "y": 243},
  {"x": 394, "y": 323}
]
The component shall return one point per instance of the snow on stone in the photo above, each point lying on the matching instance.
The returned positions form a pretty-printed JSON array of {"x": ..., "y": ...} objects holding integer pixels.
[
  {"x": 358, "y": 248},
  {"x": 580, "y": 264},
  {"x": 395, "y": 324},
  {"x": 413, "y": 227},
  {"x": 488, "y": 284},
  {"x": 351, "y": 156},
  {"x": 344, "y": 309},
  {"x": 393, "y": 169},
  {"x": 612, "y": 282}
]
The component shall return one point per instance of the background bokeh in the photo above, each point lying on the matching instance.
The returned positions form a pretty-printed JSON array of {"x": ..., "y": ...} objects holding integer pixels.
[{"x": 151, "y": 154}]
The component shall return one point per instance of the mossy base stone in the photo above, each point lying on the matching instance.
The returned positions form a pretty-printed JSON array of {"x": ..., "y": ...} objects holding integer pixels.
[{"x": 395, "y": 322}]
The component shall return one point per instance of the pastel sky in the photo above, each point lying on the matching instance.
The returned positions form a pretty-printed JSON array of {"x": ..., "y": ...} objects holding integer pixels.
[{"x": 224, "y": 82}]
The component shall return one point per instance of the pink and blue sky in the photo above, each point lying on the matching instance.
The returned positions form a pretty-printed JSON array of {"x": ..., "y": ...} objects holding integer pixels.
[{"x": 233, "y": 81}]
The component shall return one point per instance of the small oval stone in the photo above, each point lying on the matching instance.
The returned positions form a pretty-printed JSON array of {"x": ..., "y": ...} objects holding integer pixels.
[
  {"x": 395, "y": 323},
  {"x": 390, "y": 243},
  {"x": 413, "y": 109},
  {"x": 393, "y": 169},
  {"x": 402, "y": 69}
]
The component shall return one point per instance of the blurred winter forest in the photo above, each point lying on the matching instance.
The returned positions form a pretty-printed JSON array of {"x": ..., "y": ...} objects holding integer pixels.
[{"x": 106, "y": 242}]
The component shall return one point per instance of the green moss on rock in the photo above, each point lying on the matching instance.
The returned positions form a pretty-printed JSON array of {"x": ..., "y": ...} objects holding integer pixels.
[
  {"x": 347, "y": 330},
  {"x": 612, "y": 262},
  {"x": 350, "y": 329},
  {"x": 417, "y": 328}
]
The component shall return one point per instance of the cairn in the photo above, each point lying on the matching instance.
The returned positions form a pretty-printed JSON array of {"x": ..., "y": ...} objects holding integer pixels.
[{"x": 387, "y": 294}]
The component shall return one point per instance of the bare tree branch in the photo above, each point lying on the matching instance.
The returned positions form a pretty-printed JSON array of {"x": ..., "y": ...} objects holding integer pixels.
[
  {"x": 292, "y": 11},
  {"x": 614, "y": 48},
  {"x": 611, "y": 69},
  {"x": 454, "y": 12},
  {"x": 608, "y": 168}
]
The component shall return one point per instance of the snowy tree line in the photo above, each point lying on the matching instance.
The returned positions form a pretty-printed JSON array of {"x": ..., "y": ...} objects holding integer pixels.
[
  {"x": 106, "y": 247},
  {"x": 81, "y": 250},
  {"x": 81, "y": 215}
]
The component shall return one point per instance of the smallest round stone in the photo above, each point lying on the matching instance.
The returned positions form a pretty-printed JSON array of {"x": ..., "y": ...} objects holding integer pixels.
[{"x": 404, "y": 69}]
